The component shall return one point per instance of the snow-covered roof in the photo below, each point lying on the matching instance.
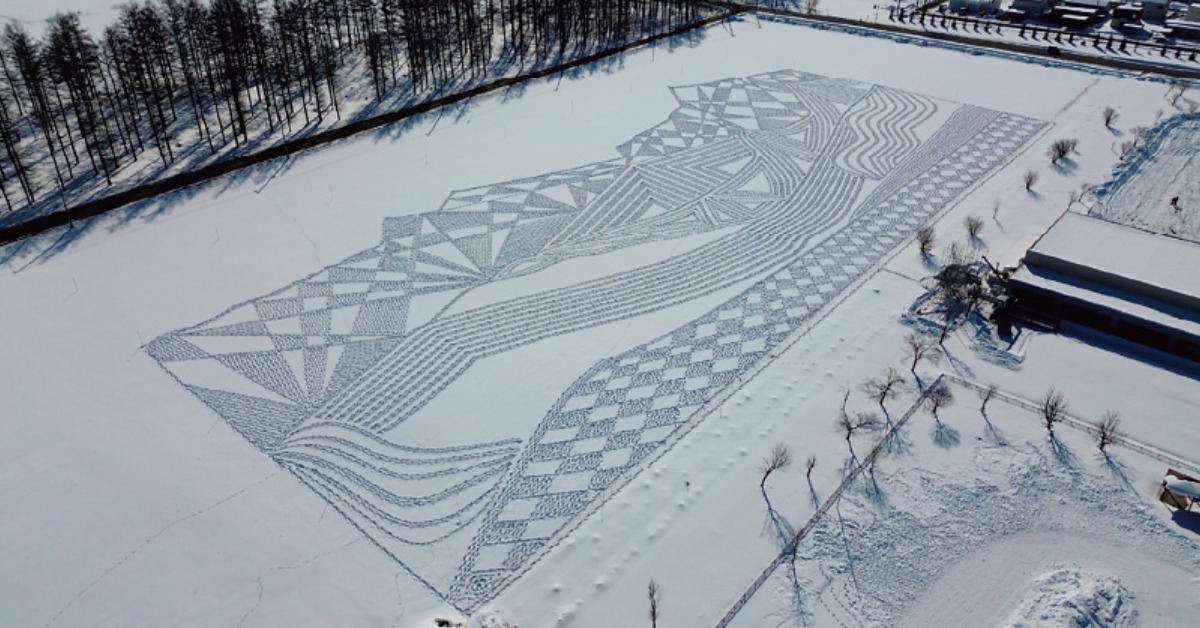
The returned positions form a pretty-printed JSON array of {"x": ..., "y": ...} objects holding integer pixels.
[
  {"x": 1082, "y": 290},
  {"x": 1127, "y": 259}
]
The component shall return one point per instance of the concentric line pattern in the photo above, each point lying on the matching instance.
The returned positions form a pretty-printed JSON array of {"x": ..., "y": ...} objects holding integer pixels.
[{"x": 790, "y": 183}]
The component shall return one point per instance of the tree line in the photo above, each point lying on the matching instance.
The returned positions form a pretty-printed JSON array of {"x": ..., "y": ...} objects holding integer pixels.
[{"x": 176, "y": 76}]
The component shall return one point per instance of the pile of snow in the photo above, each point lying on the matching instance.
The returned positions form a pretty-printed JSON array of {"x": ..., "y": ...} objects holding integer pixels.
[{"x": 1071, "y": 597}]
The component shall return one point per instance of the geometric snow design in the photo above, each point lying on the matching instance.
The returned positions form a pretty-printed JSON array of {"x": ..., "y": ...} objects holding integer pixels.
[{"x": 790, "y": 183}]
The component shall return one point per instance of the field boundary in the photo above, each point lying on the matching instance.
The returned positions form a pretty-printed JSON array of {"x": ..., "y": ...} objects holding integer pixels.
[{"x": 175, "y": 182}]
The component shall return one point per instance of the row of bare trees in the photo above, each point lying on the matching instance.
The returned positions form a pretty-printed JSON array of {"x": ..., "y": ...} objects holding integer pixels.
[{"x": 177, "y": 76}]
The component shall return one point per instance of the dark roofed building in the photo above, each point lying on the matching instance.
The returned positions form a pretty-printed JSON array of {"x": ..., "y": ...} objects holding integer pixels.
[{"x": 1133, "y": 284}]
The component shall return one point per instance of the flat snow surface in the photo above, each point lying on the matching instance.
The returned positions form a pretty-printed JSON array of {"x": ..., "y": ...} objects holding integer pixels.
[
  {"x": 514, "y": 360},
  {"x": 32, "y": 14}
]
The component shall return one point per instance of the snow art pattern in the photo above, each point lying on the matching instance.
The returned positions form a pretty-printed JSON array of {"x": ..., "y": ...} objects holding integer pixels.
[{"x": 781, "y": 189}]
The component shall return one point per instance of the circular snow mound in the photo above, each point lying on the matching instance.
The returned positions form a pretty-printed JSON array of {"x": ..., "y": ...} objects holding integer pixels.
[{"x": 1072, "y": 597}]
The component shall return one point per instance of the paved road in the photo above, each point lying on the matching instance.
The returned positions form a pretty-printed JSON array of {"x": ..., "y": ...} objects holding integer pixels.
[{"x": 1064, "y": 54}]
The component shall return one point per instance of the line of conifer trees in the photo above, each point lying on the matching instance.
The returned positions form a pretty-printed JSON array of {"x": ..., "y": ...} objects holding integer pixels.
[{"x": 177, "y": 76}]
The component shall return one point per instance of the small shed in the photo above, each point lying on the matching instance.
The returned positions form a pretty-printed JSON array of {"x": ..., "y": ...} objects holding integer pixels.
[
  {"x": 1127, "y": 13},
  {"x": 1155, "y": 10},
  {"x": 1179, "y": 490}
]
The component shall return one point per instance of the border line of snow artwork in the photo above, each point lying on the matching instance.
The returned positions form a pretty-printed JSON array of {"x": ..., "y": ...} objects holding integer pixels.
[{"x": 792, "y": 183}]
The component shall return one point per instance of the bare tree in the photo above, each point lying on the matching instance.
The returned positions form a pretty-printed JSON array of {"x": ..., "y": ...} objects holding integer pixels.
[
  {"x": 867, "y": 421},
  {"x": 1139, "y": 133},
  {"x": 652, "y": 591},
  {"x": 1030, "y": 178},
  {"x": 883, "y": 388},
  {"x": 917, "y": 348},
  {"x": 925, "y": 239},
  {"x": 1175, "y": 92},
  {"x": 848, "y": 425},
  {"x": 985, "y": 396},
  {"x": 1052, "y": 408},
  {"x": 810, "y": 6},
  {"x": 1060, "y": 149},
  {"x": 974, "y": 226},
  {"x": 809, "y": 465},
  {"x": 780, "y": 458},
  {"x": 938, "y": 397},
  {"x": 1109, "y": 429},
  {"x": 1109, "y": 115}
]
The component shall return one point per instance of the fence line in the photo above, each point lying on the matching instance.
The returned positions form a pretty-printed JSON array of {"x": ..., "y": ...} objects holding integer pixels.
[
  {"x": 789, "y": 549},
  {"x": 1084, "y": 426}
]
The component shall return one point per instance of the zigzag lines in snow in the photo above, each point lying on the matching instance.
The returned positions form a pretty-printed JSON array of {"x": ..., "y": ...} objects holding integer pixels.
[
  {"x": 786, "y": 185},
  {"x": 885, "y": 122}
]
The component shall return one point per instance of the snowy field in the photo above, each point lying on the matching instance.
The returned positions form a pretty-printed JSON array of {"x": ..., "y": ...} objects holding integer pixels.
[
  {"x": 1142, "y": 192},
  {"x": 93, "y": 14},
  {"x": 515, "y": 360}
]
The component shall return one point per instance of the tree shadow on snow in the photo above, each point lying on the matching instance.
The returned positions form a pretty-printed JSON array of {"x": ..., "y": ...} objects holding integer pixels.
[
  {"x": 995, "y": 436},
  {"x": 1065, "y": 166},
  {"x": 1062, "y": 454},
  {"x": 960, "y": 367},
  {"x": 928, "y": 261},
  {"x": 872, "y": 489},
  {"x": 1117, "y": 469},
  {"x": 897, "y": 442},
  {"x": 777, "y": 525},
  {"x": 813, "y": 498},
  {"x": 945, "y": 436},
  {"x": 799, "y": 612},
  {"x": 846, "y": 543}
]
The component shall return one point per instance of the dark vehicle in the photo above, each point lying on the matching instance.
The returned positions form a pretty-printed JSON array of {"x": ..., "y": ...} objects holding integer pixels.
[
  {"x": 1015, "y": 16},
  {"x": 1074, "y": 17}
]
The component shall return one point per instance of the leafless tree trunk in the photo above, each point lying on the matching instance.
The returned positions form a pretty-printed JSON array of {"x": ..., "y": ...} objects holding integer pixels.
[
  {"x": 917, "y": 348},
  {"x": 925, "y": 239},
  {"x": 1030, "y": 178},
  {"x": 985, "y": 396},
  {"x": 653, "y": 593},
  {"x": 883, "y": 388},
  {"x": 937, "y": 398},
  {"x": 1060, "y": 149},
  {"x": 1110, "y": 429},
  {"x": 1052, "y": 408},
  {"x": 780, "y": 458},
  {"x": 974, "y": 226},
  {"x": 1110, "y": 116}
]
